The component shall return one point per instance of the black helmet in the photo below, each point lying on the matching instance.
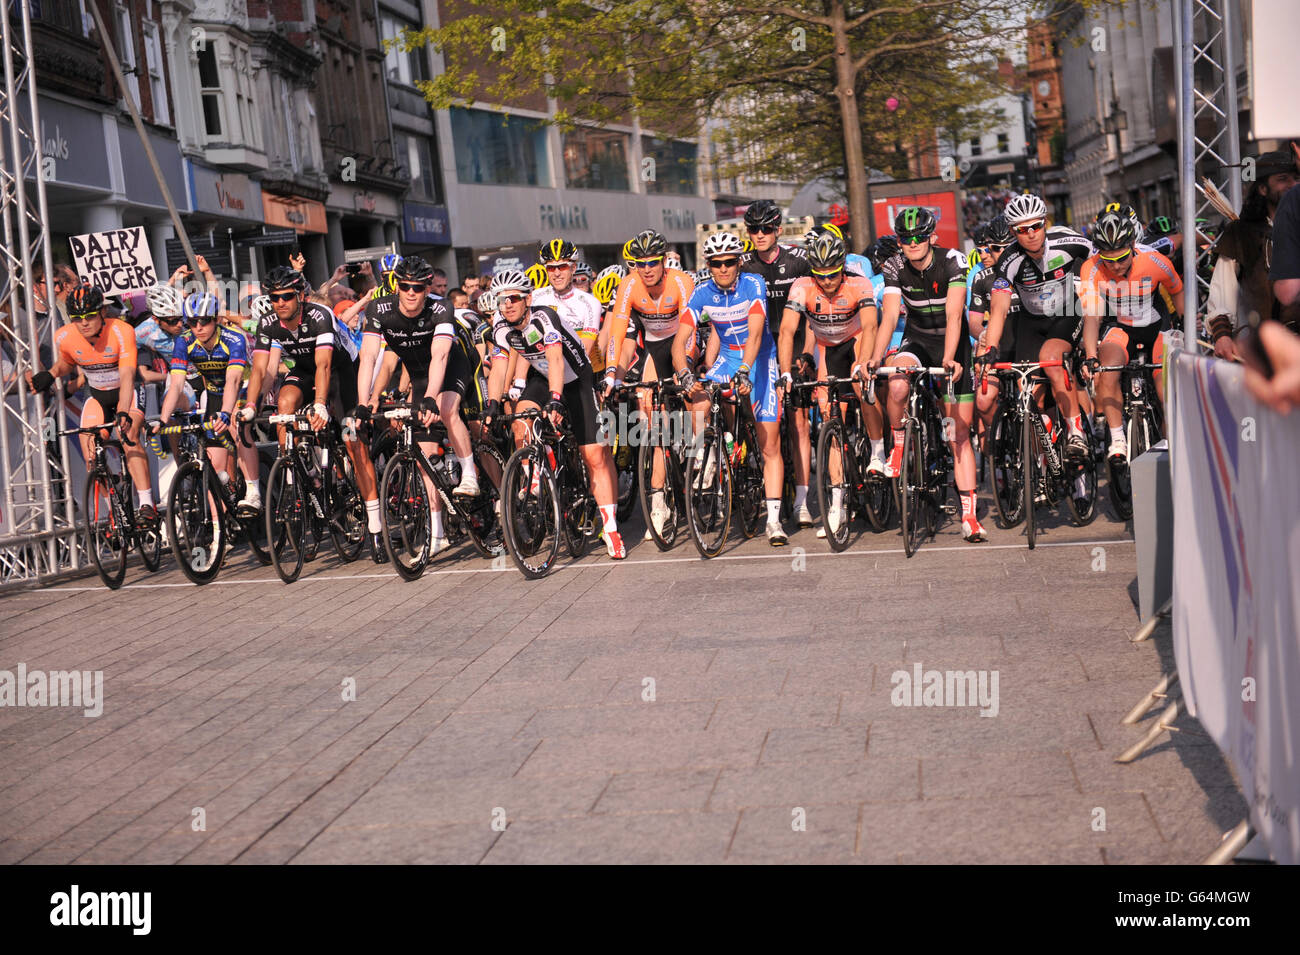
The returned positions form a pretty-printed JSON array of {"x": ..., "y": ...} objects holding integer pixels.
[
  {"x": 283, "y": 278},
  {"x": 557, "y": 250},
  {"x": 885, "y": 247},
  {"x": 826, "y": 253},
  {"x": 914, "y": 221},
  {"x": 84, "y": 299},
  {"x": 763, "y": 213},
  {"x": 980, "y": 234},
  {"x": 1113, "y": 229},
  {"x": 998, "y": 232},
  {"x": 413, "y": 269},
  {"x": 1161, "y": 226},
  {"x": 647, "y": 245}
]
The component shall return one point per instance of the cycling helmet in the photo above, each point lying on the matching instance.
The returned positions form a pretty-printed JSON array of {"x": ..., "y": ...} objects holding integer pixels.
[
  {"x": 702, "y": 275},
  {"x": 915, "y": 221},
  {"x": 282, "y": 278},
  {"x": 672, "y": 261},
  {"x": 84, "y": 299},
  {"x": 486, "y": 302},
  {"x": 980, "y": 234},
  {"x": 413, "y": 269},
  {"x": 1113, "y": 229},
  {"x": 511, "y": 280},
  {"x": 557, "y": 250},
  {"x": 606, "y": 284},
  {"x": 826, "y": 254},
  {"x": 746, "y": 245},
  {"x": 202, "y": 305},
  {"x": 722, "y": 243},
  {"x": 829, "y": 228},
  {"x": 260, "y": 308},
  {"x": 582, "y": 268},
  {"x": 165, "y": 301},
  {"x": 1024, "y": 208},
  {"x": 647, "y": 245},
  {"x": 389, "y": 262},
  {"x": 1162, "y": 226},
  {"x": 998, "y": 232},
  {"x": 627, "y": 251},
  {"x": 763, "y": 213},
  {"x": 537, "y": 274}
]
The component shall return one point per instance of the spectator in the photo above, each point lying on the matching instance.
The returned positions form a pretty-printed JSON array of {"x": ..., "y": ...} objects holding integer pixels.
[
  {"x": 1285, "y": 271},
  {"x": 469, "y": 284},
  {"x": 439, "y": 284},
  {"x": 484, "y": 280},
  {"x": 1281, "y": 390}
]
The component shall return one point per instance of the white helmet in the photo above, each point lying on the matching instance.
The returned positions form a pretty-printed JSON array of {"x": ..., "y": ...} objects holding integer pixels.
[
  {"x": 722, "y": 243},
  {"x": 165, "y": 301},
  {"x": 487, "y": 301},
  {"x": 1024, "y": 208},
  {"x": 672, "y": 261},
  {"x": 260, "y": 307},
  {"x": 703, "y": 275},
  {"x": 510, "y": 280}
]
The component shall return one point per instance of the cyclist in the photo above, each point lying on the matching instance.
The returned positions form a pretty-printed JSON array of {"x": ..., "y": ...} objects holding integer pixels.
[
  {"x": 840, "y": 311},
  {"x": 220, "y": 356},
  {"x": 931, "y": 280},
  {"x": 1135, "y": 291},
  {"x": 104, "y": 350},
  {"x": 155, "y": 341},
  {"x": 997, "y": 238},
  {"x": 559, "y": 379},
  {"x": 735, "y": 305},
  {"x": 604, "y": 289},
  {"x": 1041, "y": 270},
  {"x": 779, "y": 266},
  {"x": 583, "y": 276},
  {"x": 578, "y": 309}
]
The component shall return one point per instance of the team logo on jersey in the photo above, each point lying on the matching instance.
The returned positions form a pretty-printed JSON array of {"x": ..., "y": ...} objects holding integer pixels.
[{"x": 532, "y": 336}]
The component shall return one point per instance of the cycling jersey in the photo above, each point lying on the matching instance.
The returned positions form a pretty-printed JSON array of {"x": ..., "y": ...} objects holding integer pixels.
[
  {"x": 1046, "y": 284},
  {"x": 315, "y": 332},
  {"x": 1142, "y": 297},
  {"x": 925, "y": 291},
  {"x": 728, "y": 312},
  {"x": 228, "y": 349},
  {"x": 543, "y": 328},
  {"x": 579, "y": 311},
  {"x": 411, "y": 338},
  {"x": 343, "y": 338},
  {"x": 981, "y": 297},
  {"x": 778, "y": 275},
  {"x": 833, "y": 318},
  {"x": 105, "y": 360}
]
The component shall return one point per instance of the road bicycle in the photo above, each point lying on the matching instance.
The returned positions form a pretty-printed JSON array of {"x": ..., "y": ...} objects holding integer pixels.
[
  {"x": 1143, "y": 425},
  {"x": 710, "y": 490},
  {"x": 665, "y": 442}
]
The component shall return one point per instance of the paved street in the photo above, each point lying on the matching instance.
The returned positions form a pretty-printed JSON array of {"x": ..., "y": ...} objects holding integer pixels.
[{"x": 498, "y": 720}]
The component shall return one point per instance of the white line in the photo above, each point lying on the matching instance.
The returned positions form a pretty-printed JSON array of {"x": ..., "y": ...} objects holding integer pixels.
[{"x": 783, "y": 554}]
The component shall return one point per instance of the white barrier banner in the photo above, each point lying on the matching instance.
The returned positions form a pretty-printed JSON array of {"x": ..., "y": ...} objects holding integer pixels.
[{"x": 1236, "y": 584}]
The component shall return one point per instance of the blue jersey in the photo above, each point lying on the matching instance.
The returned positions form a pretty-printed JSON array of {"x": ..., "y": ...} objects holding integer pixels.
[
  {"x": 729, "y": 311},
  {"x": 230, "y": 348}
]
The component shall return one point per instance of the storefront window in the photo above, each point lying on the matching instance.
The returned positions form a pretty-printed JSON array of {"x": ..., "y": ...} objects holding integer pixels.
[
  {"x": 499, "y": 148},
  {"x": 413, "y": 152},
  {"x": 674, "y": 165},
  {"x": 595, "y": 159}
]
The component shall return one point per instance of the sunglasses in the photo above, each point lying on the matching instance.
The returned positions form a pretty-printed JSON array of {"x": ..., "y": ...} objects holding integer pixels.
[
  {"x": 1116, "y": 258},
  {"x": 411, "y": 286},
  {"x": 83, "y": 316},
  {"x": 1029, "y": 227},
  {"x": 509, "y": 299},
  {"x": 168, "y": 320},
  {"x": 913, "y": 239},
  {"x": 763, "y": 230},
  {"x": 647, "y": 263},
  {"x": 282, "y": 296},
  {"x": 199, "y": 320},
  {"x": 723, "y": 263},
  {"x": 558, "y": 266}
]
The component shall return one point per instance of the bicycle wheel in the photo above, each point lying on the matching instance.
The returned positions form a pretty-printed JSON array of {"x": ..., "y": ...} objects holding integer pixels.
[
  {"x": 405, "y": 515},
  {"x": 1005, "y": 470},
  {"x": 286, "y": 519},
  {"x": 1029, "y": 463},
  {"x": 347, "y": 518},
  {"x": 482, "y": 515},
  {"x": 625, "y": 465},
  {"x": 747, "y": 481},
  {"x": 668, "y": 494},
  {"x": 530, "y": 515},
  {"x": 834, "y": 491},
  {"x": 107, "y": 536},
  {"x": 708, "y": 494},
  {"x": 194, "y": 524},
  {"x": 911, "y": 484},
  {"x": 147, "y": 542},
  {"x": 1081, "y": 492}
]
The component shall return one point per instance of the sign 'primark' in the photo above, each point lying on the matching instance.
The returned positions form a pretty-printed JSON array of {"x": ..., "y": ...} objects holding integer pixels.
[
  {"x": 678, "y": 219},
  {"x": 563, "y": 217}
]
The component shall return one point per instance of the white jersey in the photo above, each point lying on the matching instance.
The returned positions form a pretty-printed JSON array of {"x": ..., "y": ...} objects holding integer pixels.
[{"x": 579, "y": 311}]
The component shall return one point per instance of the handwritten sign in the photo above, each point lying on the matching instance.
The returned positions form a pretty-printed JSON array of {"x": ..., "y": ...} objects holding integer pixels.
[{"x": 116, "y": 261}]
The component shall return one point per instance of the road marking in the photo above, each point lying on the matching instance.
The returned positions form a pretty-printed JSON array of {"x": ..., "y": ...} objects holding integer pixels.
[{"x": 783, "y": 554}]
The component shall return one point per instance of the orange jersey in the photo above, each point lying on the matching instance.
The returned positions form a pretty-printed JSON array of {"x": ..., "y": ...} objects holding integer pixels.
[
  {"x": 833, "y": 319},
  {"x": 656, "y": 315},
  {"x": 1142, "y": 297},
  {"x": 104, "y": 361}
]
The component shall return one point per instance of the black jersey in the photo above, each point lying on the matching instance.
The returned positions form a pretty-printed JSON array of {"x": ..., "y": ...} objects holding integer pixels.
[
  {"x": 315, "y": 330},
  {"x": 411, "y": 339},
  {"x": 1045, "y": 285},
  {"x": 981, "y": 293},
  {"x": 925, "y": 291},
  {"x": 542, "y": 329},
  {"x": 779, "y": 274}
]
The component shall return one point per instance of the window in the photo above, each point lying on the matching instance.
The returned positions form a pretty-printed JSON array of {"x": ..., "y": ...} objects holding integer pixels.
[
  {"x": 126, "y": 50},
  {"x": 402, "y": 67},
  {"x": 413, "y": 152},
  {"x": 595, "y": 159},
  {"x": 975, "y": 148},
  {"x": 210, "y": 89},
  {"x": 153, "y": 61},
  {"x": 1004, "y": 143},
  {"x": 674, "y": 166},
  {"x": 290, "y": 121},
  {"x": 499, "y": 148}
]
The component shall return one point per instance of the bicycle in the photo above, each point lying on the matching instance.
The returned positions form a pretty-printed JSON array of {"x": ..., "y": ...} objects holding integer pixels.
[
  {"x": 923, "y": 481},
  {"x": 302, "y": 497},
  {"x": 622, "y": 451},
  {"x": 545, "y": 496},
  {"x": 108, "y": 516},
  {"x": 406, "y": 511},
  {"x": 666, "y": 406},
  {"x": 203, "y": 518},
  {"x": 1143, "y": 425},
  {"x": 709, "y": 487}
]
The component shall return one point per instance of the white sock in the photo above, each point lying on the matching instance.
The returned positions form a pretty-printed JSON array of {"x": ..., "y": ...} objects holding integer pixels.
[
  {"x": 437, "y": 524},
  {"x": 467, "y": 465},
  {"x": 878, "y": 448},
  {"x": 837, "y": 497},
  {"x": 773, "y": 510},
  {"x": 224, "y": 476},
  {"x": 255, "y": 487},
  {"x": 656, "y": 500},
  {"x": 608, "y": 519},
  {"x": 373, "y": 523},
  {"x": 800, "y": 495},
  {"x": 1116, "y": 434},
  {"x": 145, "y": 497}
]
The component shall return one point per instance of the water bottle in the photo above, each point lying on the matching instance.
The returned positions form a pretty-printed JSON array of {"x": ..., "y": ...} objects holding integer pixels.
[
  {"x": 1174, "y": 339},
  {"x": 731, "y": 446}
]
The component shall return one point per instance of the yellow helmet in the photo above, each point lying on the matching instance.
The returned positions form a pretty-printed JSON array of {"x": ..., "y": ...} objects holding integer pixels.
[
  {"x": 605, "y": 287},
  {"x": 537, "y": 273},
  {"x": 746, "y": 245},
  {"x": 627, "y": 251}
]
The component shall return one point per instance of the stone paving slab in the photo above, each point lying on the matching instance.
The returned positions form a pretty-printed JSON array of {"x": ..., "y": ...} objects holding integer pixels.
[{"x": 498, "y": 720}]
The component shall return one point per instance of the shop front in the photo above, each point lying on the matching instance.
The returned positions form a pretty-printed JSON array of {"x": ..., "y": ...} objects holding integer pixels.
[{"x": 307, "y": 218}]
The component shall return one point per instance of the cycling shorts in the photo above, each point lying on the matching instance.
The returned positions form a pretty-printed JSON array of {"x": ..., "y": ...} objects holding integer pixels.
[
  {"x": 762, "y": 376},
  {"x": 579, "y": 397},
  {"x": 930, "y": 355}
]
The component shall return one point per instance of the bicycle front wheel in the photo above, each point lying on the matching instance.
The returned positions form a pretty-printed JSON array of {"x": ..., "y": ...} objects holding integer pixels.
[
  {"x": 107, "y": 535},
  {"x": 911, "y": 488},
  {"x": 1029, "y": 465},
  {"x": 1006, "y": 474},
  {"x": 347, "y": 520},
  {"x": 194, "y": 524},
  {"x": 286, "y": 519},
  {"x": 1081, "y": 494},
  {"x": 530, "y": 512},
  {"x": 834, "y": 490},
  {"x": 666, "y": 494},
  {"x": 708, "y": 495},
  {"x": 405, "y": 515}
]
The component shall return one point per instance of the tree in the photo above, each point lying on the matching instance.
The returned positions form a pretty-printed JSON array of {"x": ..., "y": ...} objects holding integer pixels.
[{"x": 806, "y": 65}]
